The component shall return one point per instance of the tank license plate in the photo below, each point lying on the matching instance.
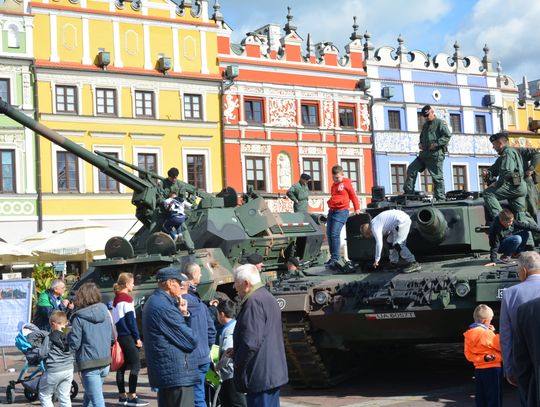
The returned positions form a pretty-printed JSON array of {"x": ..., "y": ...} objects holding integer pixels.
[{"x": 390, "y": 315}]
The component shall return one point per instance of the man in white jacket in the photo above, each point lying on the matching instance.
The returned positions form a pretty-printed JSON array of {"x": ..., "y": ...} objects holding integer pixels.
[{"x": 396, "y": 225}]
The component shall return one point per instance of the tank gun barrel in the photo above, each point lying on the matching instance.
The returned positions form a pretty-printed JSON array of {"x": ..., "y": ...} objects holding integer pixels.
[{"x": 431, "y": 224}]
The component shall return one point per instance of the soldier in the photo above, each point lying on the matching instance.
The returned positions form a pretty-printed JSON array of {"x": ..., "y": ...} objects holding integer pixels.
[
  {"x": 434, "y": 139},
  {"x": 510, "y": 184},
  {"x": 171, "y": 183},
  {"x": 299, "y": 194}
]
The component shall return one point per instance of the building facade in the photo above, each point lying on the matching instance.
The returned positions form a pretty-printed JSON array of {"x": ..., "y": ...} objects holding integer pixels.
[
  {"x": 18, "y": 193},
  {"x": 136, "y": 80},
  {"x": 292, "y": 110},
  {"x": 466, "y": 92},
  {"x": 523, "y": 115}
]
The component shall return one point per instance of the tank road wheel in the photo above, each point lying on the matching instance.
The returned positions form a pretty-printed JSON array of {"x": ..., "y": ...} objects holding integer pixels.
[
  {"x": 10, "y": 394},
  {"x": 74, "y": 390},
  {"x": 30, "y": 395}
]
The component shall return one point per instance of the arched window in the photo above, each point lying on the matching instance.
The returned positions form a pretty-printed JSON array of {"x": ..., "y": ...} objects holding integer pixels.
[
  {"x": 13, "y": 36},
  {"x": 511, "y": 116}
]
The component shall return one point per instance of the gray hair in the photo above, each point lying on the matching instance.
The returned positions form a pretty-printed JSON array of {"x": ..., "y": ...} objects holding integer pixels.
[
  {"x": 189, "y": 270},
  {"x": 247, "y": 272},
  {"x": 57, "y": 282},
  {"x": 530, "y": 261}
]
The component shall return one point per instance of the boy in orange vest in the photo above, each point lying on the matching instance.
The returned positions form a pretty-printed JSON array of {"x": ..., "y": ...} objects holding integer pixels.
[{"x": 483, "y": 349}]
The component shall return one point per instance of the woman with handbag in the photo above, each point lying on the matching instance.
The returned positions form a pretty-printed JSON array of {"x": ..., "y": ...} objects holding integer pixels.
[
  {"x": 129, "y": 339},
  {"x": 91, "y": 337}
]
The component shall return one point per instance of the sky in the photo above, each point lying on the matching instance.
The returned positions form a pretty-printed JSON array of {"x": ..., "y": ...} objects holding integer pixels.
[{"x": 508, "y": 27}]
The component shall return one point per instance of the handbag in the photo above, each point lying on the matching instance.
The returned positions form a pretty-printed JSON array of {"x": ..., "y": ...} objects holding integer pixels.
[{"x": 117, "y": 355}]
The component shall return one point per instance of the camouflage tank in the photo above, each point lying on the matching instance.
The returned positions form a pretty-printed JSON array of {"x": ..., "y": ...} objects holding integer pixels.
[
  {"x": 331, "y": 316},
  {"x": 218, "y": 233}
]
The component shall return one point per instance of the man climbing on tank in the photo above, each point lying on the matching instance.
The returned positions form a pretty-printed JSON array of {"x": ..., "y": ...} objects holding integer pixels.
[
  {"x": 434, "y": 139},
  {"x": 394, "y": 224},
  {"x": 510, "y": 183}
]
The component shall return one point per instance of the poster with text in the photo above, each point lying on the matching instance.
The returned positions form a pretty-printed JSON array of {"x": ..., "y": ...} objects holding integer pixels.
[{"x": 15, "y": 308}]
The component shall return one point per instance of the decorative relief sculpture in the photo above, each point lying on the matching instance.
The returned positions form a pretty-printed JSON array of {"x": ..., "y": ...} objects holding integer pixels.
[
  {"x": 350, "y": 152},
  {"x": 256, "y": 148},
  {"x": 364, "y": 117},
  {"x": 282, "y": 112},
  {"x": 229, "y": 110},
  {"x": 328, "y": 114},
  {"x": 284, "y": 171},
  {"x": 312, "y": 150}
]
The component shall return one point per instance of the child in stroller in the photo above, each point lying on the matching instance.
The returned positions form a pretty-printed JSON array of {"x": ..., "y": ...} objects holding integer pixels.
[{"x": 34, "y": 344}]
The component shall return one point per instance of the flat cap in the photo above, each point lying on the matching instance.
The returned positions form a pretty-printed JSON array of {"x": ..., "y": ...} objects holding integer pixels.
[
  {"x": 170, "y": 273},
  {"x": 497, "y": 136},
  {"x": 254, "y": 258},
  {"x": 305, "y": 176},
  {"x": 425, "y": 110},
  {"x": 293, "y": 260}
]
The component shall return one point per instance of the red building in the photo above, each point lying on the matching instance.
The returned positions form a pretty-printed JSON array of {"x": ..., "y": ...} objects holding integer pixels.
[{"x": 291, "y": 110}]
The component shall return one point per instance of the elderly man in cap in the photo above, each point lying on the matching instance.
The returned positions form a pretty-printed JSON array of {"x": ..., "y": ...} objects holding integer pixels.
[
  {"x": 510, "y": 184},
  {"x": 299, "y": 194},
  {"x": 169, "y": 341},
  {"x": 256, "y": 259},
  {"x": 434, "y": 139}
]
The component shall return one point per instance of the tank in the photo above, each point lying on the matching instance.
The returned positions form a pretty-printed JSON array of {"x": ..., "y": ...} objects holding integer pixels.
[
  {"x": 330, "y": 317},
  {"x": 218, "y": 233}
]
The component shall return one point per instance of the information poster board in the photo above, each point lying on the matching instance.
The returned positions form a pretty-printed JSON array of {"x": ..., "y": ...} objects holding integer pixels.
[{"x": 15, "y": 308}]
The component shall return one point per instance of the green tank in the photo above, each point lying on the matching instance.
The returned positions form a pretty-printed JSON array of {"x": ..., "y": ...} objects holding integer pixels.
[
  {"x": 331, "y": 316},
  {"x": 218, "y": 233}
]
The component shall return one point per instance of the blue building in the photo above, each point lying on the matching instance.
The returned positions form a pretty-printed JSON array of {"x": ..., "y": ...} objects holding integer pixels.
[{"x": 466, "y": 92}]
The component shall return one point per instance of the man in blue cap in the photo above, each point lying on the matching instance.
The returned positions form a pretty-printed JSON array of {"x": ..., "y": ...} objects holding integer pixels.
[
  {"x": 166, "y": 326},
  {"x": 434, "y": 139}
]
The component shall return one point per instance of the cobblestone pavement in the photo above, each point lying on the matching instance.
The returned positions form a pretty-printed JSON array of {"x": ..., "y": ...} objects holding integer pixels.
[{"x": 423, "y": 376}]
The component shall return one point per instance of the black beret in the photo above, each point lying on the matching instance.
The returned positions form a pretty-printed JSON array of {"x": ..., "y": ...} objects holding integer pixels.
[
  {"x": 305, "y": 176},
  {"x": 425, "y": 110},
  {"x": 497, "y": 136},
  {"x": 254, "y": 258},
  {"x": 293, "y": 260}
]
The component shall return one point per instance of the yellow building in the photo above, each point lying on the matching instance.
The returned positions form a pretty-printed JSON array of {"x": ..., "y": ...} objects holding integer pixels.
[
  {"x": 136, "y": 81},
  {"x": 521, "y": 109}
]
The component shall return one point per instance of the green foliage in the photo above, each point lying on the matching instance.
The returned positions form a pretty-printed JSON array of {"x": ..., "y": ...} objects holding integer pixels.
[{"x": 43, "y": 275}]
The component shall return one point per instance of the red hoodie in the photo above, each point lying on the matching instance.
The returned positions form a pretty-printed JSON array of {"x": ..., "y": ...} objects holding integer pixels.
[{"x": 342, "y": 193}]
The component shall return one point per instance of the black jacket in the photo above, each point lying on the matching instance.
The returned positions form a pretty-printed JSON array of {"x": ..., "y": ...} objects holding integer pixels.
[
  {"x": 259, "y": 353},
  {"x": 497, "y": 233}
]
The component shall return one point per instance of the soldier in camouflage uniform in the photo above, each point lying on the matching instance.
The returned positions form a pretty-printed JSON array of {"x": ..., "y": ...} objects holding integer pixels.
[
  {"x": 510, "y": 184},
  {"x": 299, "y": 194},
  {"x": 434, "y": 139}
]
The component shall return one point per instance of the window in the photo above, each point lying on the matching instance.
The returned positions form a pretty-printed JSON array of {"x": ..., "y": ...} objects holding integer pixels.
[
  {"x": 421, "y": 120},
  {"x": 147, "y": 161},
  {"x": 397, "y": 174},
  {"x": 106, "y": 183},
  {"x": 481, "y": 183},
  {"x": 350, "y": 169},
  {"x": 66, "y": 99},
  {"x": 426, "y": 181},
  {"x": 455, "y": 122},
  {"x": 67, "y": 170},
  {"x": 312, "y": 167},
  {"x": 253, "y": 111},
  {"x": 4, "y": 90},
  {"x": 106, "y": 102},
  {"x": 256, "y": 173},
  {"x": 310, "y": 115},
  {"x": 7, "y": 170},
  {"x": 346, "y": 117},
  {"x": 460, "y": 177},
  {"x": 13, "y": 36},
  {"x": 394, "y": 120},
  {"x": 192, "y": 107},
  {"x": 196, "y": 170},
  {"x": 480, "y": 121},
  {"x": 144, "y": 103}
]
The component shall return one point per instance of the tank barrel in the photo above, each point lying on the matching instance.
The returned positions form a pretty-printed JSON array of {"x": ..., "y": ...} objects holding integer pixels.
[
  {"x": 431, "y": 224},
  {"x": 114, "y": 171}
]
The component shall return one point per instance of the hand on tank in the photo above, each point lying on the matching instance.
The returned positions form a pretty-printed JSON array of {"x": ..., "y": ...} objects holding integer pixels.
[
  {"x": 375, "y": 264},
  {"x": 138, "y": 343},
  {"x": 492, "y": 264}
]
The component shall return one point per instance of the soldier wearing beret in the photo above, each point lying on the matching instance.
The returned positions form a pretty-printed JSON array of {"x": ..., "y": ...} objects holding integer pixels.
[
  {"x": 299, "y": 194},
  {"x": 510, "y": 184},
  {"x": 434, "y": 139}
]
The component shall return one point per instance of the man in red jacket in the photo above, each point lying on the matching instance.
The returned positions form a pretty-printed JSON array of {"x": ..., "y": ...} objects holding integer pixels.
[{"x": 342, "y": 193}]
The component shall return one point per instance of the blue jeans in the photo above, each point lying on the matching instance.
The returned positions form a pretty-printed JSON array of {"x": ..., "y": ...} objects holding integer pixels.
[
  {"x": 269, "y": 398},
  {"x": 198, "y": 389},
  {"x": 334, "y": 224},
  {"x": 515, "y": 243},
  {"x": 173, "y": 225},
  {"x": 92, "y": 380}
]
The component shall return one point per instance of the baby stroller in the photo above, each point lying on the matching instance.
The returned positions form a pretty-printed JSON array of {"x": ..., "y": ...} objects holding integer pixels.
[
  {"x": 212, "y": 384},
  {"x": 34, "y": 344}
]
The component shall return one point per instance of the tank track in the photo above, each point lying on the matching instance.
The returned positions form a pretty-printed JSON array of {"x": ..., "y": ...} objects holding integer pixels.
[{"x": 305, "y": 363}]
